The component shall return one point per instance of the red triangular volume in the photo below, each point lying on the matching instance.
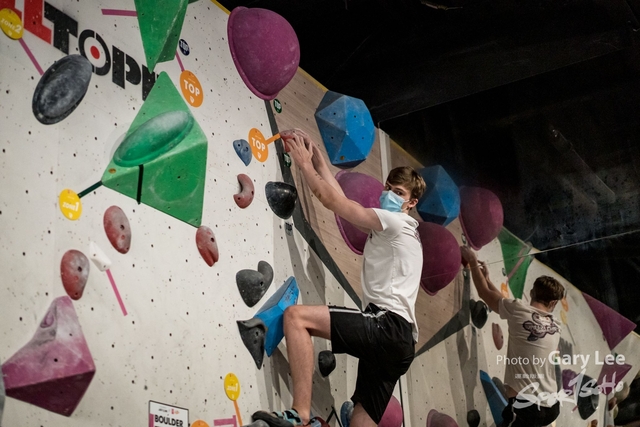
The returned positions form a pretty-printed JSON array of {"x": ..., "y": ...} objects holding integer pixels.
[
  {"x": 614, "y": 326},
  {"x": 55, "y": 368},
  {"x": 611, "y": 375}
]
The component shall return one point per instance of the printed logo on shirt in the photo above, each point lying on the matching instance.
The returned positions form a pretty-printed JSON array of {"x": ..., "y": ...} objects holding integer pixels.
[{"x": 540, "y": 326}]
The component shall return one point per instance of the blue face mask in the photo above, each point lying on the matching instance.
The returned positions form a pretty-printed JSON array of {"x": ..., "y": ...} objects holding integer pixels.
[{"x": 391, "y": 202}]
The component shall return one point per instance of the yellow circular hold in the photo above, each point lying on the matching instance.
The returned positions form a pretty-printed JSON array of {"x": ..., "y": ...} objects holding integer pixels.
[
  {"x": 199, "y": 423},
  {"x": 232, "y": 386},
  {"x": 11, "y": 24},
  {"x": 191, "y": 88},
  {"x": 258, "y": 145},
  {"x": 70, "y": 204}
]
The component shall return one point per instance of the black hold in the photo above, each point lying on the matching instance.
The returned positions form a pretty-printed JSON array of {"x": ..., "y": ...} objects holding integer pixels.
[
  {"x": 61, "y": 88},
  {"x": 252, "y": 286},
  {"x": 588, "y": 396},
  {"x": 473, "y": 418},
  {"x": 500, "y": 386},
  {"x": 267, "y": 271},
  {"x": 326, "y": 362},
  {"x": 253, "y": 333},
  {"x": 256, "y": 423},
  {"x": 479, "y": 313},
  {"x": 281, "y": 198}
]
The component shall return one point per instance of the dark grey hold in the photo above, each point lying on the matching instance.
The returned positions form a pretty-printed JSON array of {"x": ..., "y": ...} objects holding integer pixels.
[
  {"x": 473, "y": 418},
  {"x": 256, "y": 423},
  {"x": 588, "y": 396},
  {"x": 479, "y": 313},
  {"x": 500, "y": 386},
  {"x": 267, "y": 271},
  {"x": 281, "y": 198},
  {"x": 252, "y": 286},
  {"x": 61, "y": 88},
  {"x": 253, "y": 333},
  {"x": 326, "y": 362}
]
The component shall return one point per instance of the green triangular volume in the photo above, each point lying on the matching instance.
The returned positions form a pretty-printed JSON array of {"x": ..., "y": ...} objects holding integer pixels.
[
  {"x": 171, "y": 181},
  {"x": 160, "y": 23},
  {"x": 516, "y": 263}
]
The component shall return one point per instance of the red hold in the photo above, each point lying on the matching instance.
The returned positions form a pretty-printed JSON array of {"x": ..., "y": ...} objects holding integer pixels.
[
  {"x": 245, "y": 196},
  {"x": 118, "y": 230},
  {"x": 498, "y": 338},
  {"x": 207, "y": 246},
  {"x": 74, "y": 270}
]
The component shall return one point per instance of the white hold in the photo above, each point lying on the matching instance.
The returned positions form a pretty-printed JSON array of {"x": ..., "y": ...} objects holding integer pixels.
[{"x": 99, "y": 258}]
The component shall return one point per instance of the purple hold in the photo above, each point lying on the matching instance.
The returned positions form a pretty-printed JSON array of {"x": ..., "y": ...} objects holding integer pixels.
[
  {"x": 55, "y": 368},
  {"x": 365, "y": 190}
]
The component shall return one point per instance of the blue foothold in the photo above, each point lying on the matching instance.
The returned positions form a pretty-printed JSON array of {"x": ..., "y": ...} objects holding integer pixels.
[
  {"x": 272, "y": 313},
  {"x": 243, "y": 150},
  {"x": 346, "y": 411}
]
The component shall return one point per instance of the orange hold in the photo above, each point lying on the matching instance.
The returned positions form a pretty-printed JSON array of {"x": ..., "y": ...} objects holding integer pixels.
[{"x": 207, "y": 245}]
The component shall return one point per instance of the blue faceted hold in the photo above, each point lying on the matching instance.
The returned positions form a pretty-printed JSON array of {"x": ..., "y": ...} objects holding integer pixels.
[
  {"x": 272, "y": 313},
  {"x": 440, "y": 204},
  {"x": 346, "y": 128},
  {"x": 243, "y": 150}
]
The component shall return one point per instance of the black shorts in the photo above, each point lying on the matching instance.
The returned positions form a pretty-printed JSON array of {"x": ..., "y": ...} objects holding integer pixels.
[
  {"x": 531, "y": 416},
  {"x": 383, "y": 341}
]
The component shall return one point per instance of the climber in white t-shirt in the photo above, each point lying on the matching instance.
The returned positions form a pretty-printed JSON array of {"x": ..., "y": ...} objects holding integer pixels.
[
  {"x": 534, "y": 333},
  {"x": 382, "y": 336}
]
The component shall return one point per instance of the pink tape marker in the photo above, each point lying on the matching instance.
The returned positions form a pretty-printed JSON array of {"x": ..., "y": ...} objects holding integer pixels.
[
  {"x": 115, "y": 289},
  {"x": 30, "y": 55},
  {"x": 226, "y": 421},
  {"x": 179, "y": 61},
  {"x": 119, "y": 12}
]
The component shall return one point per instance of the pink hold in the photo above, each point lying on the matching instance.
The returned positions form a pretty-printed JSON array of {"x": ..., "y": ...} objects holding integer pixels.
[
  {"x": 498, "y": 338},
  {"x": 207, "y": 246},
  {"x": 74, "y": 270},
  {"x": 392, "y": 416},
  {"x": 118, "y": 230},
  {"x": 245, "y": 196},
  {"x": 481, "y": 215},
  {"x": 439, "y": 419},
  {"x": 441, "y": 257},
  {"x": 55, "y": 368}
]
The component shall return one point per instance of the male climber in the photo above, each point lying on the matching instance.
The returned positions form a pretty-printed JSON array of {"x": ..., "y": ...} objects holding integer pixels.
[
  {"x": 533, "y": 334},
  {"x": 384, "y": 335}
]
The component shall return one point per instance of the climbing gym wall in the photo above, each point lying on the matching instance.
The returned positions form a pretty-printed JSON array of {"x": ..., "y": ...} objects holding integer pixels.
[
  {"x": 130, "y": 209},
  {"x": 152, "y": 228}
]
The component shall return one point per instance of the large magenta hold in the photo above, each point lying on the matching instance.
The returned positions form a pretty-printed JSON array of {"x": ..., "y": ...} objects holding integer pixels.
[
  {"x": 392, "y": 416},
  {"x": 481, "y": 215},
  {"x": 74, "y": 271},
  {"x": 264, "y": 48},
  {"x": 116, "y": 225},
  {"x": 55, "y": 368},
  {"x": 615, "y": 327},
  {"x": 365, "y": 190},
  {"x": 440, "y": 257}
]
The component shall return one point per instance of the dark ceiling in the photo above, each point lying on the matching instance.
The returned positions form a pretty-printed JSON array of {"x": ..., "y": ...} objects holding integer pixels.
[{"x": 536, "y": 101}]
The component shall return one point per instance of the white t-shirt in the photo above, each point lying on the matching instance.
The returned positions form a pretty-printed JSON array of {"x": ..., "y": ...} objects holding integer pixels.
[
  {"x": 533, "y": 333},
  {"x": 393, "y": 265}
]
